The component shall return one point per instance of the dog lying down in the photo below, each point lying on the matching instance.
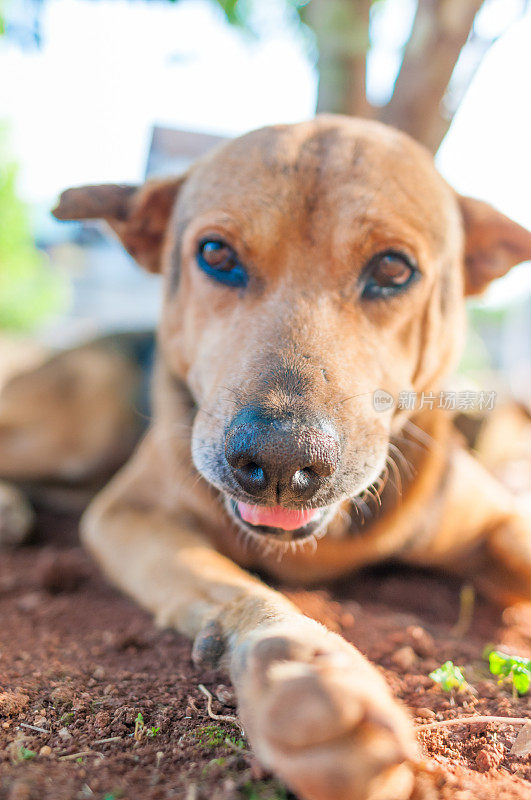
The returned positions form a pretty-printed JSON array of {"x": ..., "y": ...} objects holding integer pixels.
[{"x": 308, "y": 270}]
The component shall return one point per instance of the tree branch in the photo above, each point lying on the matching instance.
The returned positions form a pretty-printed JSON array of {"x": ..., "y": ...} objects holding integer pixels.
[
  {"x": 342, "y": 31},
  {"x": 440, "y": 31}
]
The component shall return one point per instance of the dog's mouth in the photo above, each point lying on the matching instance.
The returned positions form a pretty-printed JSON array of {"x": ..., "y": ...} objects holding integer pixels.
[{"x": 282, "y": 524}]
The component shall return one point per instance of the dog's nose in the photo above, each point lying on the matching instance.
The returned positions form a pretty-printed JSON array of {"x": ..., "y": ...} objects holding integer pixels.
[{"x": 280, "y": 459}]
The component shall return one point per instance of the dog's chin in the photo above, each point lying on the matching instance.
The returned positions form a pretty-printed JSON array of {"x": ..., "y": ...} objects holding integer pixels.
[{"x": 315, "y": 528}]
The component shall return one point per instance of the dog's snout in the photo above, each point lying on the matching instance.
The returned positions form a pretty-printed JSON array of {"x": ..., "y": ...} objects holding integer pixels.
[{"x": 282, "y": 460}]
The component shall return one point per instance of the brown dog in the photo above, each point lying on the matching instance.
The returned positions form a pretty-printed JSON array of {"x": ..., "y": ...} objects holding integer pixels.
[{"x": 306, "y": 267}]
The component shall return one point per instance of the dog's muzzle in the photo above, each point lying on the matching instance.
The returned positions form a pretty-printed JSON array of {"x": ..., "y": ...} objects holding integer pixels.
[{"x": 280, "y": 462}]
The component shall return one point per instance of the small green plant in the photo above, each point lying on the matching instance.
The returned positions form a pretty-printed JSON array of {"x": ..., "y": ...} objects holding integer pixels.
[
  {"x": 141, "y": 730},
  {"x": 449, "y": 677},
  {"x": 215, "y": 736},
  {"x": 515, "y": 669},
  {"x": 139, "y": 727},
  {"x": 26, "y": 754},
  {"x": 265, "y": 790}
]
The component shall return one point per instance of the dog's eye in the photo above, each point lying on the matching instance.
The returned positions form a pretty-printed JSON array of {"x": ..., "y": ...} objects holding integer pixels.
[
  {"x": 387, "y": 274},
  {"x": 219, "y": 260}
]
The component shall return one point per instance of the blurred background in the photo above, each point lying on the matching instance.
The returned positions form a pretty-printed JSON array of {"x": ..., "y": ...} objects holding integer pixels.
[{"x": 116, "y": 90}]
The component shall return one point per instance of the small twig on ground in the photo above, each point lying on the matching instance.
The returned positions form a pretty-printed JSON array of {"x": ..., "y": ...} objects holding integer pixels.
[
  {"x": 33, "y": 727},
  {"x": 467, "y": 602},
  {"x": 220, "y": 717},
  {"x": 191, "y": 794},
  {"x": 472, "y": 720},
  {"x": 155, "y": 778},
  {"x": 110, "y": 739},
  {"x": 81, "y": 754}
]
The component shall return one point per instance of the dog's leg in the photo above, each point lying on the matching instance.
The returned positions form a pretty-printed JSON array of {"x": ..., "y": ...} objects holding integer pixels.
[
  {"x": 506, "y": 575},
  {"x": 482, "y": 531},
  {"x": 314, "y": 709}
]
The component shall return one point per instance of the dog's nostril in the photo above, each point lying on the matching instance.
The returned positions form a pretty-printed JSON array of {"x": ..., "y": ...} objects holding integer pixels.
[
  {"x": 326, "y": 464},
  {"x": 251, "y": 477},
  {"x": 305, "y": 482},
  {"x": 254, "y": 472}
]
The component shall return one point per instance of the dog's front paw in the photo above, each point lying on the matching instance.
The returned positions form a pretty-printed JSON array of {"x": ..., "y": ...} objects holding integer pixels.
[
  {"x": 16, "y": 516},
  {"x": 320, "y": 716}
]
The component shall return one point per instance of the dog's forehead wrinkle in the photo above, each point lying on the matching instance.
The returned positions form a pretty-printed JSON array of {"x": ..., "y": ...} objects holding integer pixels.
[
  {"x": 275, "y": 220},
  {"x": 301, "y": 168}
]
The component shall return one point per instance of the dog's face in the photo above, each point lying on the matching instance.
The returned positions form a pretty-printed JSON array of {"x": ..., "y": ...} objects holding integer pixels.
[{"x": 308, "y": 269}]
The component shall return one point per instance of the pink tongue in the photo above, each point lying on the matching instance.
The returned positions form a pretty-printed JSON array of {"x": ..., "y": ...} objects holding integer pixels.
[{"x": 276, "y": 517}]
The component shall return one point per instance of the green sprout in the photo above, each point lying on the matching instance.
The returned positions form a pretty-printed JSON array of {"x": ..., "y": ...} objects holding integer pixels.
[
  {"x": 449, "y": 677},
  {"x": 139, "y": 727},
  {"x": 26, "y": 754},
  {"x": 515, "y": 669},
  {"x": 141, "y": 730},
  {"x": 215, "y": 736}
]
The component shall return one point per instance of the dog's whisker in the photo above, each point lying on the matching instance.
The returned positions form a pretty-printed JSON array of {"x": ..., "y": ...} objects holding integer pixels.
[
  {"x": 345, "y": 517},
  {"x": 363, "y": 508},
  {"x": 407, "y": 465},
  {"x": 410, "y": 427},
  {"x": 358, "y": 512},
  {"x": 382, "y": 480},
  {"x": 215, "y": 417},
  {"x": 373, "y": 493},
  {"x": 411, "y": 443},
  {"x": 352, "y": 397},
  {"x": 397, "y": 483}
]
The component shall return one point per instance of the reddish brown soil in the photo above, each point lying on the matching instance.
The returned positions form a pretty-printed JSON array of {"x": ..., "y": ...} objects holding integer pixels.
[{"x": 80, "y": 662}]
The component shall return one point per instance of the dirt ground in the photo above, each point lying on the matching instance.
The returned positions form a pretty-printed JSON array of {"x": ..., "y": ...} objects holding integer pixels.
[{"x": 79, "y": 662}]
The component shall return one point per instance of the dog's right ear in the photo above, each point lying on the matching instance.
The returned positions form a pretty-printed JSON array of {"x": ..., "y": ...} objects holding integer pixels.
[
  {"x": 138, "y": 214},
  {"x": 493, "y": 244}
]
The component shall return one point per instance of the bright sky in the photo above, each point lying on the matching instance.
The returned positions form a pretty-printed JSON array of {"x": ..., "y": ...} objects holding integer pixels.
[{"x": 81, "y": 109}]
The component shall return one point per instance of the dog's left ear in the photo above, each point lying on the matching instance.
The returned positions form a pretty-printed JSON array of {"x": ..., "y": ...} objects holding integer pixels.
[
  {"x": 139, "y": 215},
  {"x": 493, "y": 244}
]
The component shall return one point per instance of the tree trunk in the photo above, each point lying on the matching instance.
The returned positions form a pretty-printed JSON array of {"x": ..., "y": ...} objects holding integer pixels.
[
  {"x": 342, "y": 31},
  {"x": 440, "y": 31}
]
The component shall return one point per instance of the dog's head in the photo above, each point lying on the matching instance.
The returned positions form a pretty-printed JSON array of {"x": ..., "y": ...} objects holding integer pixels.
[{"x": 309, "y": 269}]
